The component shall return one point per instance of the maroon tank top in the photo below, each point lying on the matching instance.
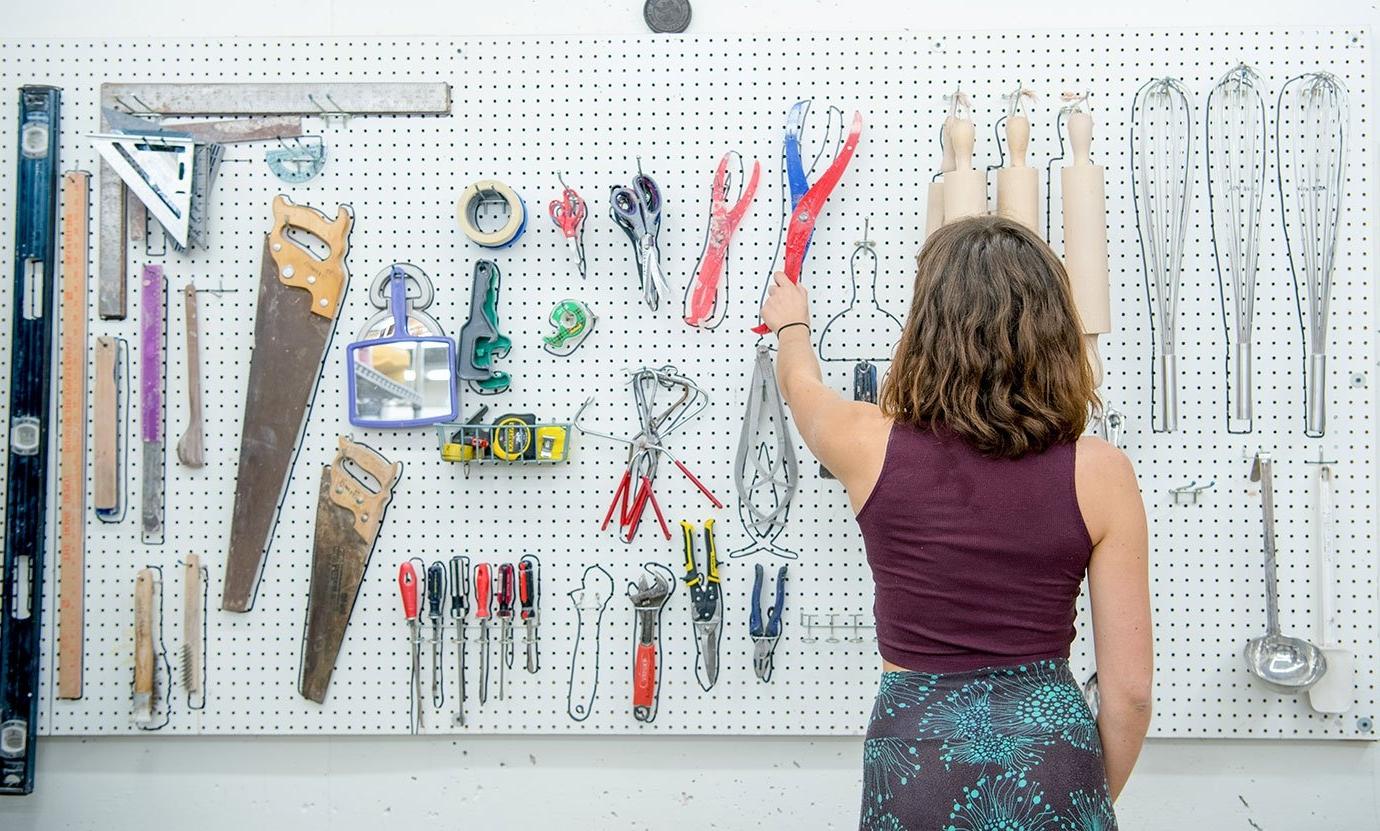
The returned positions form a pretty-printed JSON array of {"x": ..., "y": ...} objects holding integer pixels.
[{"x": 977, "y": 561}]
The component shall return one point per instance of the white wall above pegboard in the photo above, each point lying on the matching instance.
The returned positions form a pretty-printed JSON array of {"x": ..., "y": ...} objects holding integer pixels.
[{"x": 589, "y": 107}]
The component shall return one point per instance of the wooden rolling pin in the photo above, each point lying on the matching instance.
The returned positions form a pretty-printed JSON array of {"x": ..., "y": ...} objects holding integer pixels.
[
  {"x": 1018, "y": 184},
  {"x": 1085, "y": 237},
  {"x": 965, "y": 189},
  {"x": 934, "y": 204}
]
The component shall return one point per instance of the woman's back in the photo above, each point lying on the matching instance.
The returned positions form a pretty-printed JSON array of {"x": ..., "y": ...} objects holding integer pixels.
[{"x": 977, "y": 560}]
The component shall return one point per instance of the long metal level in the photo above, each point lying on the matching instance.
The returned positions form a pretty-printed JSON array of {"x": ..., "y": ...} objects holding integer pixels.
[{"x": 26, "y": 493}]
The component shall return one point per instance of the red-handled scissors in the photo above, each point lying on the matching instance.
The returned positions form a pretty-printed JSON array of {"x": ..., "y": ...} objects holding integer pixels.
[{"x": 569, "y": 213}]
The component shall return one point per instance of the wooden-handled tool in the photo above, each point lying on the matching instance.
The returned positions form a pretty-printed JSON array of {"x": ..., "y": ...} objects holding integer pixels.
[
  {"x": 1085, "y": 236},
  {"x": 190, "y": 448},
  {"x": 143, "y": 647},
  {"x": 965, "y": 189},
  {"x": 192, "y": 653},
  {"x": 1018, "y": 184}
]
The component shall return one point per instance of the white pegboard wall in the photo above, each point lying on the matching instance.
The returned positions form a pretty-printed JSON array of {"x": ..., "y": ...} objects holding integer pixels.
[{"x": 589, "y": 107}]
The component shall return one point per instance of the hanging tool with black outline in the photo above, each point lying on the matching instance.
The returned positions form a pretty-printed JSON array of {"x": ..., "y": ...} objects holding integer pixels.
[
  {"x": 706, "y": 296},
  {"x": 634, "y": 492},
  {"x": 706, "y": 602},
  {"x": 407, "y": 587},
  {"x": 153, "y": 297},
  {"x": 31, "y": 377},
  {"x": 766, "y": 633},
  {"x": 299, "y": 298},
  {"x": 504, "y": 593},
  {"x": 349, "y": 515},
  {"x": 574, "y": 322},
  {"x": 569, "y": 213},
  {"x": 765, "y": 471},
  {"x": 648, "y": 599},
  {"x": 435, "y": 594},
  {"x": 529, "y": 593},
  {"x": 483, "y": 598},
  {"x": 459, "y": 610},
  {"x": 637, "y": 210},
  {"x": 807, "y": 201},
  {"x": 481, "y": 342}
]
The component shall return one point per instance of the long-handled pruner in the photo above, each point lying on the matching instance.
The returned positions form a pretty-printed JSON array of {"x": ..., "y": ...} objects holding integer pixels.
[
  {"x": 765, "y": 635},
  {"x": 704, "y": 304},
  {"x": 807, "y": 206},
  {"x": 706, "y": 602}
]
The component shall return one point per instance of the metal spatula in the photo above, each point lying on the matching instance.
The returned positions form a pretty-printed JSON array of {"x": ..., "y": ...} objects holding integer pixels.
[{"x": 1333, "y": 693}]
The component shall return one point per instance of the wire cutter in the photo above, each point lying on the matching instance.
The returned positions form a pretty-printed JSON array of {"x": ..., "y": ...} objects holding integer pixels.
[
  {"x": 765, "y": 635},
  {"x": 637, "y": 210},
  {"x": 704, "y": 301},
  {"x": 706, "y": 602}
]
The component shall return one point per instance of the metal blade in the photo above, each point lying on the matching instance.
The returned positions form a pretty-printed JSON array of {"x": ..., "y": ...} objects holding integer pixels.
[
  {"x": 289, "y": 348},
  {"x": 339, "y": 558}
]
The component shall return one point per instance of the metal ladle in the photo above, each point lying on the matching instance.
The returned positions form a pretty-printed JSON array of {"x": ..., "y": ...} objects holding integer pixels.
[{"x": 1282, "y": 663}]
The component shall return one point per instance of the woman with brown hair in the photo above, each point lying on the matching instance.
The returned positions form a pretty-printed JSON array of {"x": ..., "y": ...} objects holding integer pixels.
[{"x": 982, "y": 505}]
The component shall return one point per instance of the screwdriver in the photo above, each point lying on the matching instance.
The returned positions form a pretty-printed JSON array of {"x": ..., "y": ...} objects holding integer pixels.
[
  {"x": 528, "y": 590},
  {"x": 407, "y": 586},
  {"x": 435, "y": 590},
  {"x": 482, "y": 579},
  {"x": 504, "y": 595},
  {"x": 459, "y": 608}
]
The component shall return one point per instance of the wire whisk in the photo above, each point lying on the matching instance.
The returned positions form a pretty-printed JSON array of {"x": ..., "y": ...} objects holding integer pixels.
[
  {"x": 1237, "y": 156},
  {"x": 1162, "y": 187},
  {"x": 1310, "y": 142}
]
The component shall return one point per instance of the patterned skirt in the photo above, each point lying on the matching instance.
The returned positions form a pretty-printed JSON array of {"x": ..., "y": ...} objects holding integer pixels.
[{"x": 1012, "y": 748}]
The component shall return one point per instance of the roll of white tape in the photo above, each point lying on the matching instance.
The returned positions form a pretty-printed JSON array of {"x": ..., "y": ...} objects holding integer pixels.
[{"x": 487, "y": 190}]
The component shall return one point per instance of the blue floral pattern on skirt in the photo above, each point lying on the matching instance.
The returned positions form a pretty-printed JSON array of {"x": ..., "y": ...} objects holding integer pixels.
[{"x": 999, "y": 749}]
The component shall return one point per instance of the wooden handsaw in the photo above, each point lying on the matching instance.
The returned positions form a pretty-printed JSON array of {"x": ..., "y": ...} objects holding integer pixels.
[
  {"x": 349, "y": 513},
  {"x": 299, "y": 298}
]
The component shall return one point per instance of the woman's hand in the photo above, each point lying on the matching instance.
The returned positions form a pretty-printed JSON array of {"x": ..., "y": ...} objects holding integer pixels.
[{"x": 787, "y": 302}]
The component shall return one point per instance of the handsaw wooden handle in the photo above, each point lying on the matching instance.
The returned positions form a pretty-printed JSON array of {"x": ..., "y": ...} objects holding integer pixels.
[
  {"x": 297, "y": 267},
  {"x": 351, "y": 494}
]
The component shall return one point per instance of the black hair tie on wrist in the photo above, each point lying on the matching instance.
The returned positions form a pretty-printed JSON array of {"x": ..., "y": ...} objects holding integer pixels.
[{"x": 789, "y": 325}]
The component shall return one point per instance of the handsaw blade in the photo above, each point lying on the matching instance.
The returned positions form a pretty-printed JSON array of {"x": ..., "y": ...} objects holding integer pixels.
[
  {"x": 338, "y": 560},
  {"x": 289, "y": 347},
  {"x": 348, "y": 518}
]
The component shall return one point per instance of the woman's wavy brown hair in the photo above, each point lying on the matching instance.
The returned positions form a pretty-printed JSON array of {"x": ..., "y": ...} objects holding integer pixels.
[{"x": 992, "y": 349}]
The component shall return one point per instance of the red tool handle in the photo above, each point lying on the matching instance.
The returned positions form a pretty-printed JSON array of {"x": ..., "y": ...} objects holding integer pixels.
[
  {"x": 526, "y": 588},
  {"x": 644, "y": 675},
  {"x": 483, "y": 583},
  {"x": 407, "y": 586},
  {"x": 504, "y": 592},
  {"x": 714, "y": 500}
]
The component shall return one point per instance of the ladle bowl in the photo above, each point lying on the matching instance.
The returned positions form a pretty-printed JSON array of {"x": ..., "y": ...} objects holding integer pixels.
[{"x": 1285, "y": 664}]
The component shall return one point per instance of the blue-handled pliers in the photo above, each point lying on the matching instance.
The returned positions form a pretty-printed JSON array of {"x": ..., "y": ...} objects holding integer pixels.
[{"x": 765, "y": 635}]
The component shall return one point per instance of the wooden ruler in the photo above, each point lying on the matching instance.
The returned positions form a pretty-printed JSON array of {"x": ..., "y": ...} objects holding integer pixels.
[{"x": 76, "y": 193}]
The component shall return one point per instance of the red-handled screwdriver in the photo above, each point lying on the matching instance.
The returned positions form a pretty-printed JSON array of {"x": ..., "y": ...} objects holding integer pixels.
[
  {"x": 528, "y": 590},
  {"x": 504, "y": 595},
  {"x": 407, "y": 586},
  {"x": 483, "y": 580}
]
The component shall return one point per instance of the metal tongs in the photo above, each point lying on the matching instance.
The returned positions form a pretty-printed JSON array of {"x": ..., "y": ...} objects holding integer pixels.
[{"x": 634, "y": 491}]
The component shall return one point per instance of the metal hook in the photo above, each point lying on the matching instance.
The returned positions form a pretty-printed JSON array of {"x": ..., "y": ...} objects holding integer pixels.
[
  {"x": 1074, "y": 101},
  {"x": 1188, "y": 494}
]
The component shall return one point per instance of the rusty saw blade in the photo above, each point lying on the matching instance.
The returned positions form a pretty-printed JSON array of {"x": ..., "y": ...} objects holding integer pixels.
[
  {"x": 348, "y": 516},
  {"x": 299, "y": 298}
]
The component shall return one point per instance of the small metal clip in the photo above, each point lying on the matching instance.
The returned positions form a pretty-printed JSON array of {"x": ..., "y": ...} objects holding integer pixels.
[
  {"x": 1188, "y": 494},
  {"x": 330, "y": 116}
]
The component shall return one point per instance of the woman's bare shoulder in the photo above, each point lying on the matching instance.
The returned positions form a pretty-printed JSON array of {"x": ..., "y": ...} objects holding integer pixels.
[{"x": 1105, "y": 481}]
